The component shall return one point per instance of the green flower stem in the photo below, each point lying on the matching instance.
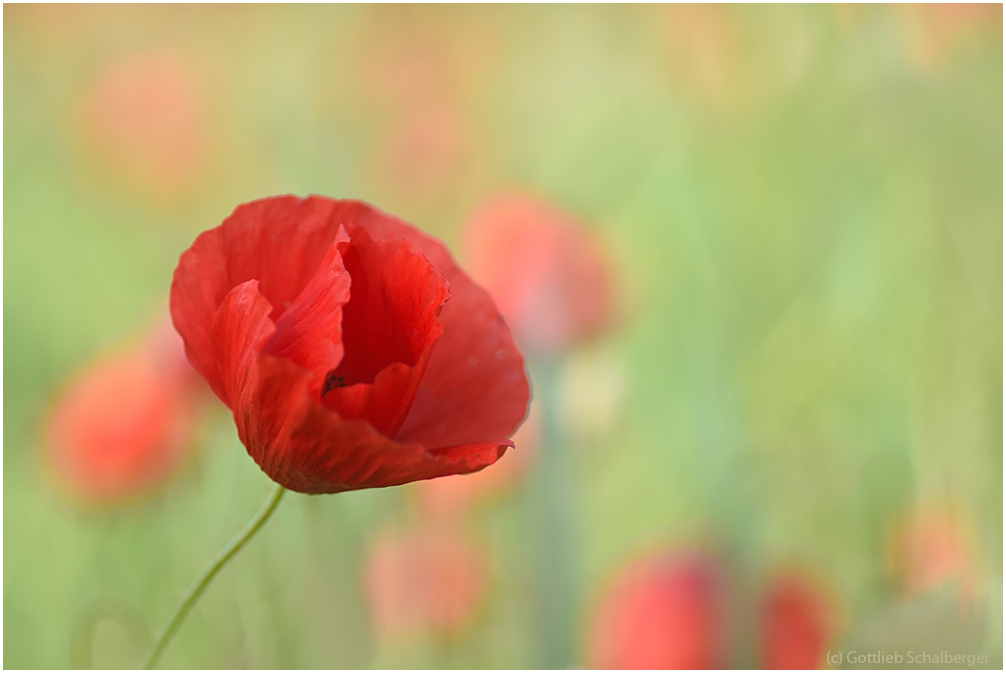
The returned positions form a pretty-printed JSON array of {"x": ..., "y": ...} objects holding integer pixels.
[{"x": 197, "y": 588}]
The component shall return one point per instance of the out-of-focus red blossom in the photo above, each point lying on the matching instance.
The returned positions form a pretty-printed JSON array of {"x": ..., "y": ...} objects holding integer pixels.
[
  {"x": 931, "y": 547},
  {"x": 448, "y": 498},
  {"x": 423, "y": 150},
  {"x": 424, "y": 580},
  {"x": 935, "y": 31},
  {"x": 352, "y": 350},
  {"x": 548, "y": 275},
  {"x": 663, "y": 611},
  {"x": 145, "y": 113},
  {"x": 410, "y": 69},
  {"x": 425, "y": 143},
  {"x": 797, "y": 624},
  {"x": 124, "y": 425}
]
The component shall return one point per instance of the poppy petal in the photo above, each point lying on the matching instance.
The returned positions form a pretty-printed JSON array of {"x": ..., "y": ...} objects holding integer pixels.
[
  {"x": 240, "y": 328},
  {"x": 310, "y": 330},
  {"x": 198, "y": 287},
  {"x": 279, "y": 241},
  {"x": 475, "y": 388}
]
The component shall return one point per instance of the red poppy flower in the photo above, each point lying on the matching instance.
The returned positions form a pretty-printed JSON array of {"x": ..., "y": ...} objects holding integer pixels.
[
  {"x": 352, "y": 350},
  {"x": 424, "y": 580},
  {"x": 663, "y": 611},
  {"x": 125, "y": 424},
  {"x": 548, "y": 276},
  {"x": 797, "y": 623}
]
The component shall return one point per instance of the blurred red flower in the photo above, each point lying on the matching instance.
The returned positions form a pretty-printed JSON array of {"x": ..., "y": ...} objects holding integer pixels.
[
  {"x": 424, "y": 580},
  {"x": 797, "y": 623},
  {"x": 547, "y": 275},
  {"x": 933, "y": 33},
  {"x": 422, "y": 151},
  {"x": 126, "y": 422},
  {"x": 931, "y": 547},
  {"x": 663, "y": 611},
  {"x": 315, "y": 321},
  {"x": 144, "y": 112}
]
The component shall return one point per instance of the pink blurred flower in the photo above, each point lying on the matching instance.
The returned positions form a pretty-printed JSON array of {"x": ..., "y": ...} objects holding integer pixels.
[
  {"x": 409, "y": 69},
  {"x": 934, "y": 32},
  {"x": 448, "y": 498},
  {"x": 548, "y": 276},
  {"x": 422, "y": 151},
  {"x": 797, "y": 622},
  {"x": 930, "y": 547},
  {"x": 125, "y": 423},
  {"x": 144, "y": 113},
  {"x": 417, "y": 84},
  {"x": 665, "y": 610},
  {"x": 424, "y": 580}
]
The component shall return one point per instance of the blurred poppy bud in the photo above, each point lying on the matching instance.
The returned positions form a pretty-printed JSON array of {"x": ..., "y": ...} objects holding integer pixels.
[
  {"x": 548, "y": 276},
  {"x": 933, "y": 34},
  {"x": 423, "y": 151},
  {"x": 797, "y": 623},
  {"x": 422, "y": 581},
  {"x": 663, "y": 611},
  {"x": 144, "y": 114},
  {"x": 125, "y": 423},
  {"x": 932, "y": 547}
]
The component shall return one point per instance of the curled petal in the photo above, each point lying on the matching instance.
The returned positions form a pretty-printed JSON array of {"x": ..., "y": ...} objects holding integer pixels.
[
  {"x": 199, "y": 286},
  {"x": 389, "y": 329},
  {"x": 280, "y": 242},
  {"x": 310, "y": 330},
  {"x": 240, "y": 328},
  {"x": 475, "y": 388}
]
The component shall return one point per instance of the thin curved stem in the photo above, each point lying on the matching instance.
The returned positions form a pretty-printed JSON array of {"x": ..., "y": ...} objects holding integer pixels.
[{"x": 197, "y": 588}]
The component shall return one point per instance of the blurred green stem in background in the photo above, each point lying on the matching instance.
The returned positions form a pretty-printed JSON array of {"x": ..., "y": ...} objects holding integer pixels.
[
  {"x": 555, "y": 500},
  {"x": 197, "y": 588},
  {"x": 87, "y": 623}
]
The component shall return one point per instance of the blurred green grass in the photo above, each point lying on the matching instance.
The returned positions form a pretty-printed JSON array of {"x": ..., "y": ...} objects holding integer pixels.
[{"x": 808, "y": 216}]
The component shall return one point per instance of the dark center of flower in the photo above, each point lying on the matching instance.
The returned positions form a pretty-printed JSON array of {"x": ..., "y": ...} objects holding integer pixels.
[{"x": 332, "y": 380}]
